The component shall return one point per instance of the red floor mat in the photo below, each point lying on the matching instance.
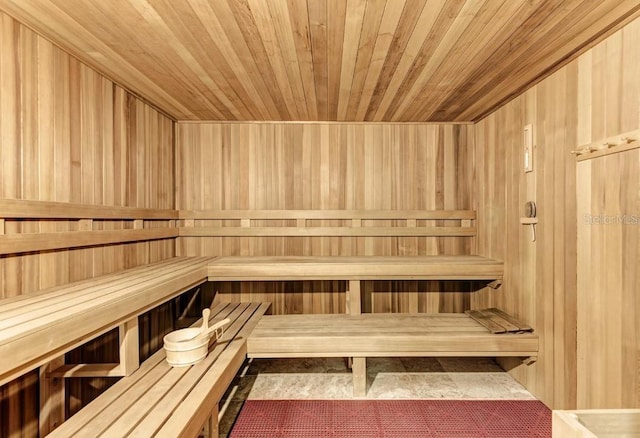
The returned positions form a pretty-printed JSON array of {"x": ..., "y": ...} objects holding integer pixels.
[{"x": 392, "y": 418}]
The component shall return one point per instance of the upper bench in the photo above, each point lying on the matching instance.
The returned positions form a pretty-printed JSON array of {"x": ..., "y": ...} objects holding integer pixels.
[
  {"x": 351, "y": 224},
  {"x": 38, "y": 327},
  {"x": 355, "y": 268}
]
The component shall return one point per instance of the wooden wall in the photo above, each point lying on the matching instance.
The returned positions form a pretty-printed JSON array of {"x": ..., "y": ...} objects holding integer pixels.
[
  {"x": 328, "y": 166},
  {"x": 608, "y": 300},
  {"x": 70, "y": 135},
  {"x": 587, "y": 338}
]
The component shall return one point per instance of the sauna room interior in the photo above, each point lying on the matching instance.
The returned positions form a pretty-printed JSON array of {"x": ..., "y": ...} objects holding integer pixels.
[{"x": 432, "y": 203}]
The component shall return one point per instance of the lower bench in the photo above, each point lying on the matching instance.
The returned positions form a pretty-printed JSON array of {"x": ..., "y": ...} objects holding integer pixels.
[
  {"x": 382, "y": 335},
  {"x": 158, "y": 400}
]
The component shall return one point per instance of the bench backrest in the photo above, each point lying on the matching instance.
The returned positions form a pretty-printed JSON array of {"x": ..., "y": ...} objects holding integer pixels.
[
  {"x": 327, "y": 223},
  {"x": 86, "y": 225},
  {"x": 31, "y": 226}
]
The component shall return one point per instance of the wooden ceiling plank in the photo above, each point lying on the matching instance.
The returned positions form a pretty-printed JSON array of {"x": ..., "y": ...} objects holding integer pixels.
[
  {"x": 246, "y": 25},
  {"x": 589, "y": 19},
  {"x": 388, "y": 26},
  {"x": 262, "y": 19},
  {"x": 186, "y": 31},
  {"x": 370, "y": 30},
  {"x": 412, "y": 12},
  {"x": 514, "y": 51},
  {"x": 318, "y": 25},
  {"x": 138, "y": 43},
  {"x": 62, "y": 30},
  {"x": 299, "y": 16},
  {"x": 451, "y": 24},
  {"x": 281, "y": 23},
  {"x": 492, "y": 23},
  {"x": 401, "y": 61},
  {"x": 336, "y": 16},
  {"x": 567, "y": 51},
  {"x": 219, "y": 23},
  {"x": 353, "y": 29},
  {"x": 222, "y": 28},
  {"x": 343, "y": 60}
]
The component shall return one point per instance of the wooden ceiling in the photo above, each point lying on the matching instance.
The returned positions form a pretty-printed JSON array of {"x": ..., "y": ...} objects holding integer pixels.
[{"x": 347, "y": 60}]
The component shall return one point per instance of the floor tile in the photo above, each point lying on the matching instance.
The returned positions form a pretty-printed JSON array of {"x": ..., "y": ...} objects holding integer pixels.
[
  {"x": 413, "y": 386},
  {"x": 302, "y": 386},
  {"x": 489, "y": 386}
]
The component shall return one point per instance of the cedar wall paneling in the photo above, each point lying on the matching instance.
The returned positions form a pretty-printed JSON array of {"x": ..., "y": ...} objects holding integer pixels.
[
  {"x": 589, "y": 344},
  {"x": 68, "y": 134},
  {"x": 328, "y": 166}
]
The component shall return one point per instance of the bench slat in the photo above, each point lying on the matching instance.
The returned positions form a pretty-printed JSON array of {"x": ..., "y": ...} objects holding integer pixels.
[
  {"x": 354, "y": 268},
  {"x": 327, "y": 232},
  {"x": 21, "y": 345},
  {"x": 43, "y": 311},
  {"x": 395, "y": 335},
  {"x": 149, "y": 404},
  {"x": 48, "y": 315},
  {"x": 19, "y": 302},
  {"x": 184, "y": 393},
  {"x": 20, "y": 243},
  {"x": 329, "y": 214},
  {"x": 152, "y": 401},
  {"x": 211, "y": 388},
  {"x": 23, "y": 209},
  {"x": 114, "y": 394}
]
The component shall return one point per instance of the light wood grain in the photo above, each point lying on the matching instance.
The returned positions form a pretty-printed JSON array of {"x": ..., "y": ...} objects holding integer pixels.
[
  {"x": 30, "y": 242},
  {"x": 444, "y": 60},
  {"x": 609, "y": 314},
  {"x": 572, "y": 290},
  {"x": 329, "y": 214},
  {"x": 247, "y": 231},
  {"x": 328, "y": 175},
  {"x": 382, "y": 335},
  {"x": 354, "y": 268},
  {"x": 29, "y": 209},
  {"x": 158, "y": 400},
  {"x": 73, "y": 143},
  {"x": 73, "y": 319},
  {"x": 593, "y": 423}
]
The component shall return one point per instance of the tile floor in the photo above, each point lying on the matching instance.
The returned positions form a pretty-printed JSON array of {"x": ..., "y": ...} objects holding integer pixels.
[{"x": 387, "y": 378}]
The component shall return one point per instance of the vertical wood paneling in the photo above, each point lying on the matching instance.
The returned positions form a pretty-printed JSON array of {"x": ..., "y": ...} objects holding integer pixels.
[
  {"x": 328, "y": 166},
  {"x": 575, "y": 283},
  {"x": 68, "y": 134},
  {"x": 609, "y": 309},
  {"x": 338, "y": 60}
]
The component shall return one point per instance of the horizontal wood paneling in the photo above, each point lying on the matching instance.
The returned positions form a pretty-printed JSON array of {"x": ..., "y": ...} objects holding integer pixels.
[
  {"x": 69, "y": 135},
  {"x": 355, "y": 60},
  {"x": 588, "y": 350},
  {"x": 275, "y": 166}
]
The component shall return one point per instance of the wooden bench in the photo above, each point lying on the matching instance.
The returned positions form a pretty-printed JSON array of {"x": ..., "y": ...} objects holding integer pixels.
[
  {"x": 382, "y": 335},
  {"x": 36, "y": 328},
  {"x": 363, "y": 231},
  {"x": 355, "y": 335},
  {"x": 158, "y": 400}
]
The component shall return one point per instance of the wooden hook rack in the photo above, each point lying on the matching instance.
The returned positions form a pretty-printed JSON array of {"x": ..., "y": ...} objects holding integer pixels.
[{"x": 611, "y": 145}]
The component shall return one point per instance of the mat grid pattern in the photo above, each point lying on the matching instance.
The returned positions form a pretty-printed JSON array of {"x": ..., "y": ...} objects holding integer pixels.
[{"x": 392, "y": 418}]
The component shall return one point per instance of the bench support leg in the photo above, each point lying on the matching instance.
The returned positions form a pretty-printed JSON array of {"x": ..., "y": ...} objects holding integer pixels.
[
  {"x": 52, "y": 398},
  {"x": 359, "y": 372},
  {"x": 129, "y": 348},
  {"x": 354, "y": 306},
  {"x": 211, "y": 426}
]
